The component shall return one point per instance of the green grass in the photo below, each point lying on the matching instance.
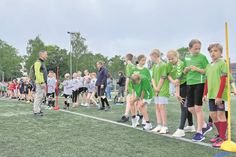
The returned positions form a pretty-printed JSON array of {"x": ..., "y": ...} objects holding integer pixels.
[{"x": 63, "y": 134}]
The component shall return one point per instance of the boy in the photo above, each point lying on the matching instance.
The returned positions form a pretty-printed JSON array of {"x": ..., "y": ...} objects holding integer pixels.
[
  {"x": 216, "y": 91},
  {"x": 195, "y": 65},
  {"x": 142, "y": 94},
  {"x": 161, "y": 87},
  {"x": 67, "y": 91},
  {"x": 51, "y": 84}
]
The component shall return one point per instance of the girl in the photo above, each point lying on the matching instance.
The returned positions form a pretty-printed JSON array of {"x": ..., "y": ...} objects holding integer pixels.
[
  {"x": 92, "y": 90},
  {"x": 67, "y": 91}
]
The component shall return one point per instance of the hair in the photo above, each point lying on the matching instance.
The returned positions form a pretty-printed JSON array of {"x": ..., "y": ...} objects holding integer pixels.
[
  {"x": 140, "y": 57},
  {"x": 193, "y": 42},
  {"x": 216, "y": 45},
  {"x": 93, "y": 74},
  {"x": 156, "y": 52},
  {"x": 74, "y": 74},
  {"x": 129, "y": 56},
  {"x": 79, "y": 73},
  {"x": 100, "y": 62},
  {"x": 121, "y": 72},
  {"x": 67, "y": 75},
  {"x": 42, "y": 51},
  {"x": 173, "y": 52}
]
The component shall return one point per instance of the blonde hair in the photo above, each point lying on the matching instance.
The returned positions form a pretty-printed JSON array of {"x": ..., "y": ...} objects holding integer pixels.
[
  {"x": 79, "y": 73},
  {"x": 173, "y": 53},
  {"x": 67, "y": 76},
  {"x": 156, "y": 52}
]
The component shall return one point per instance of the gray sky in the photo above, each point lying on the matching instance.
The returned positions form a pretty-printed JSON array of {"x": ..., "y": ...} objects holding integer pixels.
[{"x": 119, "y": 26}]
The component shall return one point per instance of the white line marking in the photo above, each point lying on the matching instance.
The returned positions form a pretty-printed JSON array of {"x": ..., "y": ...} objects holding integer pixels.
[{"x": 129, "y": 126}]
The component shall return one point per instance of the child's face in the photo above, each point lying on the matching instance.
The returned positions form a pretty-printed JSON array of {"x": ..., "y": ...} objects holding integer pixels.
[
  {"x": 153, "y": 58},
  {"x": 195, "y": 49},
  {"x": 142, "y": 61},
  {"x": 172, "y": 59},
  {"x": 215, "y": 53}
]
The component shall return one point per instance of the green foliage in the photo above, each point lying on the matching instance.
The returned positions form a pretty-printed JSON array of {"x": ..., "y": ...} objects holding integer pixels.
[
  {"x": 10, "y": 61},
  {"x": 182, "y": 52}
]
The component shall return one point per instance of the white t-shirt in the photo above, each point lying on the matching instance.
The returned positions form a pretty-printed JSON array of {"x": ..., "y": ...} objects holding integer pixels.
[
  {"x": 68, "y": 85},
  {"x": 51, "y": 82},
  {"x": 75, "y": 84}
]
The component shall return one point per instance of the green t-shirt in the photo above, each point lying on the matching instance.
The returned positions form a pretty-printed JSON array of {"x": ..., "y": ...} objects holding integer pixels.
[
  {"x": 145, "y": 85},
  {"x": 214, "y": 71},
  {"x": 176, "y": 71},
  {"x": 161, "y": 71},
  {"x": 143, "y": 72},
  {"x": 200, "y": 61},
  {"x": 128, "y": 72}
]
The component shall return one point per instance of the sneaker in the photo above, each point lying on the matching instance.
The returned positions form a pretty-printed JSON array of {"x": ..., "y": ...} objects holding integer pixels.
[
  {"x": 101, "y": 108},
  {"x": 38, "y": 114},
  {"x": 135, "y": 121},
  {"x": 179, "y": 133},
  {"x": 157, "y": 129},
  {"x": 143, "y": 122},
  {"x": 198, "y": 137},
  {"x": 190, "y": 128},
  {"x": 108, "y": 108},
  {"x": 206, "y": 130},
  {"x": 164, "y": 130},
  {"x": 218, "y": 143},
  {"x": 213, "y": 140},
  {"x": 123, "y": 119},
  {"x": 148, "y": 126}
]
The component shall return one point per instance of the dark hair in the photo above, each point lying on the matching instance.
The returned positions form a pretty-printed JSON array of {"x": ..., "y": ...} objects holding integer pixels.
[
  {"x": 141, "y": 57},
  {"x": 217, "y": 45},
  {"x": 193, "y": 42}
]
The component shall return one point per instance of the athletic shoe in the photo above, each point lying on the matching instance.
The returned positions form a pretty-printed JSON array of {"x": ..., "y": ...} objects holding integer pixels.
[
  {"x": 101, "y": 108},
  {"x": 164, "y": 130},
  {"x": 123, "y": 119},
  {"x": 206, "y": 130},
  {"x": 108, "y": 108},
  {"x": 198, "y": 137},
  {"x": 157, "y": 129},
  {"x": 213, "y": 140},
  {"x": 179, "y": 133},
  {"x": 148, "y": 126},
  {"x": 190, "y": 128},
  {"x": 143, "y": 122},
  {"x": 38, "y": 114},
  {"x": 135, "y": 121},
  {"x": 218, "y": 143}
]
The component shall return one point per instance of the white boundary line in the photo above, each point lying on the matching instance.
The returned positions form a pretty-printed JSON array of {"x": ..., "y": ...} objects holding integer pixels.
[{"x": 140, "y": 129}]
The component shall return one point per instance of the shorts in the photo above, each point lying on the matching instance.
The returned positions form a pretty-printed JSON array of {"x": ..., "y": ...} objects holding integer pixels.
[
  {"x": 67, "y": 96},
  {"x": 213, "y": 107},
  {"x": 84, "y": 89},
  {"x": 101, "y": 91},
  {"x": 183, "y": 90},
  {"x": 161, "y": 100},
  {"x": 194, "y": 94},
  {"x": 147, "y": 101},
  {"x": 52, "y": 95}
]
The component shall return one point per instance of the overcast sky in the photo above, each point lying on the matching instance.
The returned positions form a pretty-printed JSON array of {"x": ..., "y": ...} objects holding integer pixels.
[{"x": 119, "y": 26}]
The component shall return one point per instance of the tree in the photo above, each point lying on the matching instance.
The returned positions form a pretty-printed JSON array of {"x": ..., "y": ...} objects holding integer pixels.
[
  {"x": 182, "y": 52},
  {"x": 10, "y": 61},
  {"x": 116, "y": 64}
]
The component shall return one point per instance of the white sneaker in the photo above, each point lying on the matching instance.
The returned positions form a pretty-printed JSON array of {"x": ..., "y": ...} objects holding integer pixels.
[
  {"x": 135, "y": 121},
  {"x": 157, "y": 129},
  {"x": 179, "y": 133},
  {"x": 143, "y": 122},
  {"x": 164, "y": 130},
  {"x": 148, "y": 126},
  {"x": 190, "y": 128}
]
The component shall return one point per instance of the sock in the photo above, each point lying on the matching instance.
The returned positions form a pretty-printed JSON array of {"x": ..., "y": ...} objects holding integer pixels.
[
  {"x": 102, "y": 101},
  {"x": 204, "y": 125},
  {"x": 217, "y": 124},
  {"x": 223, "y": 129},
  {"x": 147, "y": 121},
  {"x": 65, "y": 102}
]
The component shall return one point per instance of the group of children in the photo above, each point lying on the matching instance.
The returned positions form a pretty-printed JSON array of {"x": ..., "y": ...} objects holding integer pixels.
[{"x": 195, "y": 80}]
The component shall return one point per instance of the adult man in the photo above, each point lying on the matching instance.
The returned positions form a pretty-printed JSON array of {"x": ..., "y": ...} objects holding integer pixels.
[{"x": 40, "y": 72}]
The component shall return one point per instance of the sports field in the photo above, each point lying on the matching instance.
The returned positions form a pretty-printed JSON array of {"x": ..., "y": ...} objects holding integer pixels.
[{"x": 88, "y": 132}]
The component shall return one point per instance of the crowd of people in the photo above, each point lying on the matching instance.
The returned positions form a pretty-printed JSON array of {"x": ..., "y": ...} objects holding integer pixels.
[{"x": 196, "y": 81}]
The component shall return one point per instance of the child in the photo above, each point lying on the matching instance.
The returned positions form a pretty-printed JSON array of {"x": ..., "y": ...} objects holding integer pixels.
[
  {"x": 161, "y": 88},
  {"x": 75, "y": 89},
  {"x": 51, "y": 84},
  {"x": 142, "y": 94},
  {"x": 121, "y": 83},
  {"x": 80, "y": 86},
  {"x": 178, "y": 78},
  {"x": 86, "y": 79},
  {"x": 216, "y": 91},
  {"x": 195, "y": 65},
  {"x": 129, "y": 67},
  {"x": 67, "y": 91},
  {"x": 91, "y": 90}
]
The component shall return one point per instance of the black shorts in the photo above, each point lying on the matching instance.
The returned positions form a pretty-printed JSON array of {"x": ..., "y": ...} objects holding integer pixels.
[
  {"x": 101, "y": 91},
  {"x": 85, "y": 89},
  {"x": 80, "y": 90},
  {"x": 183, "y": 90},
  {"x": 50, "y": 94},
  {"x": 194, "y": 94},
  {"x": 67, "y": 96},
  {"x": 213, "y": 107}
]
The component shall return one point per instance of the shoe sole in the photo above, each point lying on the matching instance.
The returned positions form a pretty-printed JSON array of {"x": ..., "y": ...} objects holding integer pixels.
[{"x": 199, "y": 140}]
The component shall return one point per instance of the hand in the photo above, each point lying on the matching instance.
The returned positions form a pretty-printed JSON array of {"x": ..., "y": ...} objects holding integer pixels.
[
  {"x": 187, "y": 69},
  {"x": 157, "y": 91},
  {"x": 180, "y": 99},
  {"x": 193, "y": 68},
  {"x": 218, "y": 101},
  {"x": 234, "y": 91},
  {"x": 204, "y": 98},
  {"x": 102, "y": 86},
  {"x": 176, "y": 82}
]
